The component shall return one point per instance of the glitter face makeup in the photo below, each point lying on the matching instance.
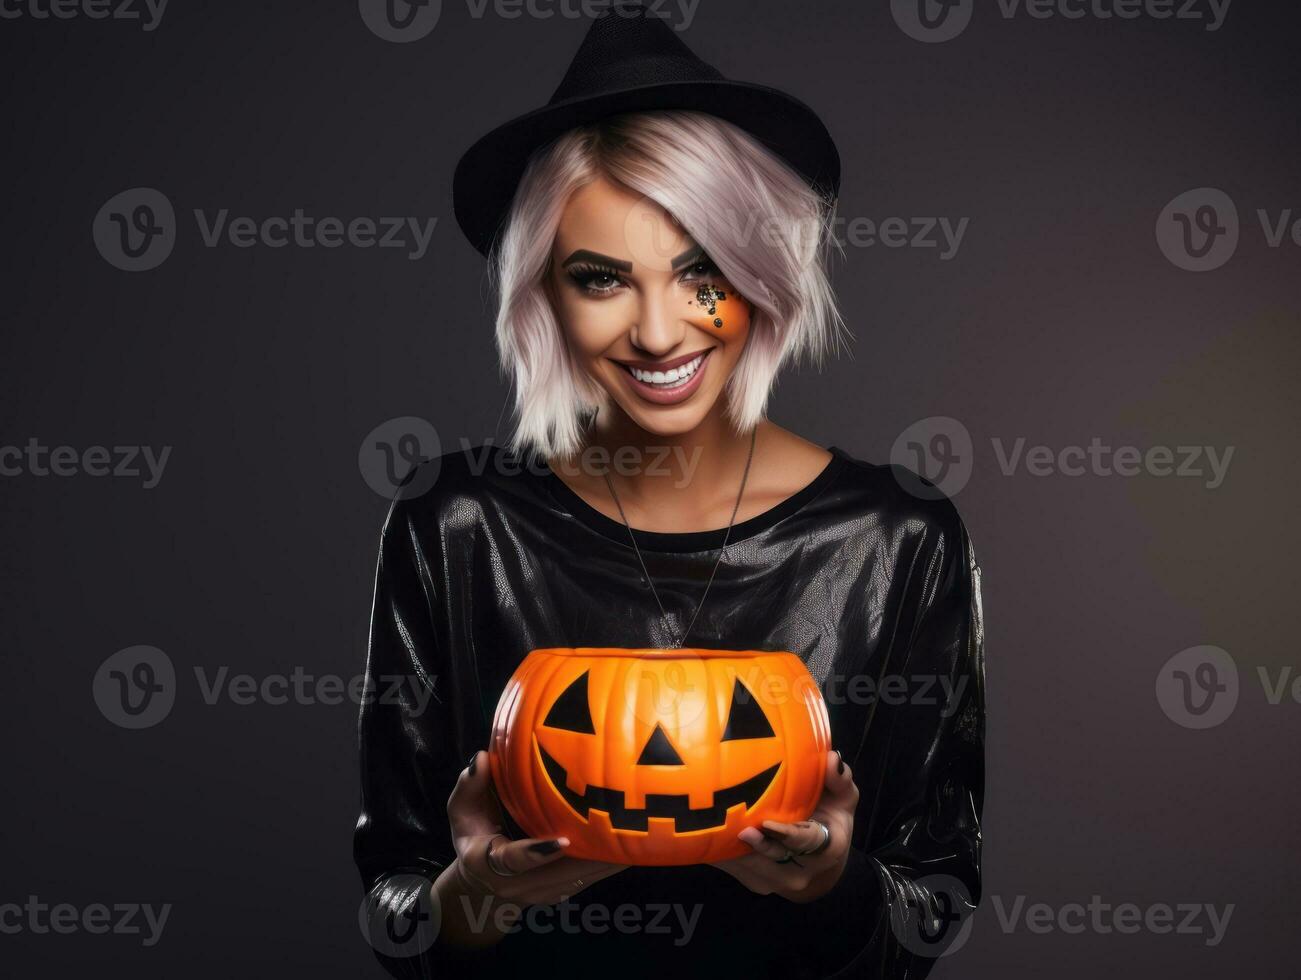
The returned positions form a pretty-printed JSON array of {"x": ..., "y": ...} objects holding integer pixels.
[
  {"x": 721, "y": 312},
  {"x": 708, "y": 295}
]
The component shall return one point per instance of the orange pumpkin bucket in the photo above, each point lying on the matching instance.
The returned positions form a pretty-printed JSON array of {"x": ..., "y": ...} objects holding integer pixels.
[{"x": 658, "y": 757}]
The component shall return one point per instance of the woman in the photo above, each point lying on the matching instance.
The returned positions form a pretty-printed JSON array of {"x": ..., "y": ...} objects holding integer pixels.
[{"x": 657, "y": 236}]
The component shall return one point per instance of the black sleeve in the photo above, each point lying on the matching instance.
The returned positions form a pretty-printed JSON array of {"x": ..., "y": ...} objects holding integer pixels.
[
  {"x": 915, "y": 860},
  {"x": 411, "y": 754}
]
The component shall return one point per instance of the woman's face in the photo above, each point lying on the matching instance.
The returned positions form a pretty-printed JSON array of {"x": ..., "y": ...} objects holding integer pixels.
[{"x": 633, "y": 293}]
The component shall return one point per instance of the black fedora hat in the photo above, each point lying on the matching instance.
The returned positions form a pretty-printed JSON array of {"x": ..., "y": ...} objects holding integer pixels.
[{"x": 632, "y": 61}]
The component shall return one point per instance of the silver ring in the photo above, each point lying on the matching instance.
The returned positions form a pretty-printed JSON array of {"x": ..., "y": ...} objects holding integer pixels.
[
  {"x": 826, "y": 839},
  {"x": 492, "y": 865}
]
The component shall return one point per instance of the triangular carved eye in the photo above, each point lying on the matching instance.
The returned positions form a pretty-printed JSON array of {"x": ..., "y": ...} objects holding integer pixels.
[
  {"x": 571, "y": 711},
  {"x": 745, "y": 718},
  {"x": 659, "y": 751}
]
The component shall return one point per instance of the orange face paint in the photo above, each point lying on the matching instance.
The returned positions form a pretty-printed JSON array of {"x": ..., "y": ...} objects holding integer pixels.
[{"x": 721, "y": 311}]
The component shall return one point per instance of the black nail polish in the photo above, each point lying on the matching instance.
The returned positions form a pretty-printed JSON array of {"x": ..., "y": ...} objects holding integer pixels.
[
  {"x": 473, "y": 761},
  {"x": 840, "y": 766},
  {"x": 545, "y": 847}
]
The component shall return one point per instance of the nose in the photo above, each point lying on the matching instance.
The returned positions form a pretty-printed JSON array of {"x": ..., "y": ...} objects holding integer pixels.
[
  {"x": 661, "y": 325},
  {"x": 659, "y": 751}
]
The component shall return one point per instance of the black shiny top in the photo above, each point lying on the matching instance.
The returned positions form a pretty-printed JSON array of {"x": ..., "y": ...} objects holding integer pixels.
[{"x": 867, "y": 574}]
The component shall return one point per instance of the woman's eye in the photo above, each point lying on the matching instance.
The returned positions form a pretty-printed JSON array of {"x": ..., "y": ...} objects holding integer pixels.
[
  {"x": 595, "y": 280},
  {"x": 702, "y": 269}
]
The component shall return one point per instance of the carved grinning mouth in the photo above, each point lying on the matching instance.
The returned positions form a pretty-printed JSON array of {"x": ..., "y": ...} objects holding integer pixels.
[{"x": 677, "y": 806}]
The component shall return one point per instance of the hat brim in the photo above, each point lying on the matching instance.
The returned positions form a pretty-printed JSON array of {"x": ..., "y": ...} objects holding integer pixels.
[{"x": 488, "y": 173}]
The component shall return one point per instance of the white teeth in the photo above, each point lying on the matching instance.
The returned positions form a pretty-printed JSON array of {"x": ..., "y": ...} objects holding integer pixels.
[{"x": 670, "y": 378}]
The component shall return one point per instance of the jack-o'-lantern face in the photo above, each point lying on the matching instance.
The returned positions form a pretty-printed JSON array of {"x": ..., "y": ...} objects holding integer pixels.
[
  {"x": 663, "y": 777},
  {"x": 655, "y": 756}
]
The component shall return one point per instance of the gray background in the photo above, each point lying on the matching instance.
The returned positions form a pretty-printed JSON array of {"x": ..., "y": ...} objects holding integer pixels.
[{"x": 1058, "y": 320}]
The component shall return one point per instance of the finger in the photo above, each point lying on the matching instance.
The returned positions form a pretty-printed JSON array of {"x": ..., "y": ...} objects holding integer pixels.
[
  {"x": 800, "y": 837},
  {"x": 839, "y": 781},
  {"x": 472, "y": 809},
  {"x": 527, "y": 854},
  {"x": 762, "y": 845}
]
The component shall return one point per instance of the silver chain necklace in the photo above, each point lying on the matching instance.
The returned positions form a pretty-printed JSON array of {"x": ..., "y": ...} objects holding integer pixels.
[{"x": 717, "y": 561}]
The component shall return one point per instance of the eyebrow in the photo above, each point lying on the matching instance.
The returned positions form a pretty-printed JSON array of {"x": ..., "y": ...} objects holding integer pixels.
[{"x": 585, "y": 255}]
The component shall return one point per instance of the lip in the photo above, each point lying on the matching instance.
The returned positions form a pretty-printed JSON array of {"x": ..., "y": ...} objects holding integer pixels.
[
  {"x": 663, "y": 365},
  {"x": 672, "y": 396}
]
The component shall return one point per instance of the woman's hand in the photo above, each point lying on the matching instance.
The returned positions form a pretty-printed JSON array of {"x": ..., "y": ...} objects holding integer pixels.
[
  {"x": 808, "y": 876},
  {"x": 530, "y": 871}
]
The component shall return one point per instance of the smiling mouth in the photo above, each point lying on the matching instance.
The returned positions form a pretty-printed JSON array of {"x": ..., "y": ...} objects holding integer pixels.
[
  {"x": 610, "y": 801},
  {"x": 674, "y": 377}
]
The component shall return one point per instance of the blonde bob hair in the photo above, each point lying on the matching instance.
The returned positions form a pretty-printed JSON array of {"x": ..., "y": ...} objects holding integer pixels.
[{"x": 761, "y": 223}]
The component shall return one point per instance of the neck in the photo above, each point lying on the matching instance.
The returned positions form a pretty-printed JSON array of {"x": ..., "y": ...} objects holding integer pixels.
[{"x": 666, "y": 479}]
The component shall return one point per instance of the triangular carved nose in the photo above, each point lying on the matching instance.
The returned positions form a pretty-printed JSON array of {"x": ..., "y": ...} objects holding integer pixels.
[{"x": 659, "y": 751}]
